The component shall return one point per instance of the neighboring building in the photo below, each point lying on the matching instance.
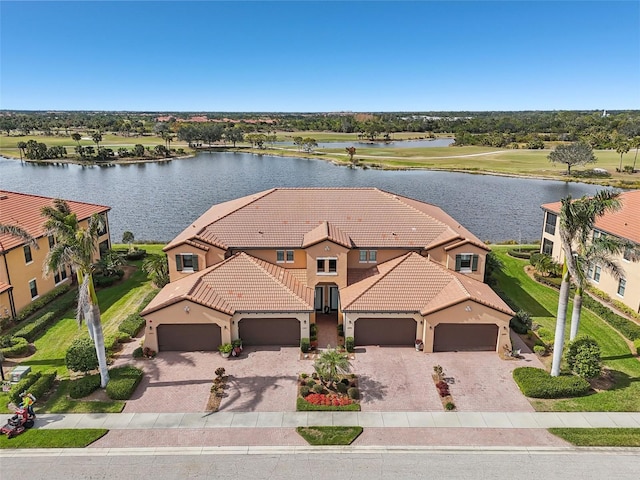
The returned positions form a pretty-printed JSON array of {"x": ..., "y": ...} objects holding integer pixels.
[
  {"x": 388, "y": 268},
  {"x": 624, "y": 224},
  {"x": 21, "y": 278}
]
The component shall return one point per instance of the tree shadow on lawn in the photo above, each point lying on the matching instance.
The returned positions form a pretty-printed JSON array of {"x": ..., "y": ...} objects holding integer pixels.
[
  {"x": 518, "y": 297},
  {"x": 244, "y": 394},
  {"x": 622, "y": 380}
]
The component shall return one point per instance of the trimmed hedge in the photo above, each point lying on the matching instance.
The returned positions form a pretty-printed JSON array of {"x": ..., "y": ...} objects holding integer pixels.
[
  {"x": 23, "y": 385},
  {"x": 17, "y": 346},
  {"x": 84, "y": 386},
  {"x": 43, "y": 385},
  {"x": 626, "y": 327},
  {"x": 42, "y": 301},
  {"x": 34, "y": 327},
  {"x": 137, "y": 254},
  {"x": 636, "y": 344},
  {"x": 123, "y": 382},
  {"x": 524, "y": 253},
  {"x": 537, "y": 383},
  {"x": 132, "y": 324}
]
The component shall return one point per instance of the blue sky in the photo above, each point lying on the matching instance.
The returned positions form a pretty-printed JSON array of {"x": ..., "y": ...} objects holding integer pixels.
[{"x": 320, "y": 56}]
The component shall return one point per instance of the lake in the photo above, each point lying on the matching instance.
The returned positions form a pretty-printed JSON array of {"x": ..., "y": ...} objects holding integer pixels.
[{"x": 156, "y": 201}]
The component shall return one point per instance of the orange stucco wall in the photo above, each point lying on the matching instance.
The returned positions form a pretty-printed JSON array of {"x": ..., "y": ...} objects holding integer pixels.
[
  {"x": 327, "y": 249},
  {"x": 205, "y": 258}
]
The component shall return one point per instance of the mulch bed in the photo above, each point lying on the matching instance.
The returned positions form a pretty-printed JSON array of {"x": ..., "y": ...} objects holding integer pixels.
[{"x": 217, "y": 393}]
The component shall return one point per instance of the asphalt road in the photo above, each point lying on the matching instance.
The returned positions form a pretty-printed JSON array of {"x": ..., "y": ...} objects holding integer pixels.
[{"x": 92, "y": 464}]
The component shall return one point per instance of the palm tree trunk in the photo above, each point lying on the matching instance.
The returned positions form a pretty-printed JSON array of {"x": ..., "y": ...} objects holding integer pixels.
[
  {"x": 575, "y": 314},
  {"x": 98, "y": 340},
  {"x": 561, "y": 321}
]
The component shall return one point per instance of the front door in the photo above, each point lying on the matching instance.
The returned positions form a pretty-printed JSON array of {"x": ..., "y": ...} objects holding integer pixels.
[
  {"x": 333, "y": 298},
  {"x": 319, "y": 299}
]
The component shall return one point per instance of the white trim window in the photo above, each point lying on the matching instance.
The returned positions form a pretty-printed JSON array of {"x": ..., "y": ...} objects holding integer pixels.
[
  {"x": 622, "y": 285},
  {"x": 596, "y": 273},
  {"x": 327, "y": 266},
  {"x": 28, "y": 256},
  {"x": 186, "y": 262},
  {"x": 33, "y": 287},
  {"x": 466, "y": 263}
]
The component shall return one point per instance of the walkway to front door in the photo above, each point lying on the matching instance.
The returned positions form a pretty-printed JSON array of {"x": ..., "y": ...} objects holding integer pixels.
[{"x": 327, "y": 329}]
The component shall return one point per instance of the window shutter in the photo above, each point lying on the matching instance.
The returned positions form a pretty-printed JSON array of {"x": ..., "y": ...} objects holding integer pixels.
[
  {"x": 195, "y": 263},
  {"x": 179, "y": 262},
  {"x": 474, "y": 264},
  {"x": 458, "y": 262}
]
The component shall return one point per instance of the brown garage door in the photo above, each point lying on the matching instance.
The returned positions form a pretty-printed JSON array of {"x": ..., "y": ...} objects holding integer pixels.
[
  {"x": 189, "y": 337},
  {"x": 270, "y": 331},
  {"x": 385, "y": 331},
  {"x": 459, "y": 336}
]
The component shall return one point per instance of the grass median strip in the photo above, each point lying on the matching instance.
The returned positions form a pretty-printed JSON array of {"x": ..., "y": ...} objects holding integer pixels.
[
  {"x": 329, "y": 435},
  {"x": 599, "y": 437},
  {"x": 63, "y": 438}
]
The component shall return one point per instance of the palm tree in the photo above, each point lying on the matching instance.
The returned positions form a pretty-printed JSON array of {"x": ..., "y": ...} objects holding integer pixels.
[
  {"x": 330, "y": 364},
  {"x": 599, "y": 252},
  {"x": 76, "y": 137},
  {"x": 22, "y": 146},
  {"x": 97, "y": 138},
  {"x": 635, "y": 142},
  {"x": 577, "y": 219},
  {"x": 157, "y": 267},
  {"x": 622, "y": 147},
  {"x": 76, "y": 246},
  {"x": 127, "y": 237},
  {"x": 16, "y": 231}
]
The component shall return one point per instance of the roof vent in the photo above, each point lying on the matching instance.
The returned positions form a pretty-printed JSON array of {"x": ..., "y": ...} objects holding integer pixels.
[{"x": 3, "y": 197}]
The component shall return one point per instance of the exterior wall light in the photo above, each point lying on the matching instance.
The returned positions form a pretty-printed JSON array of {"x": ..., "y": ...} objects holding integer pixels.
[
  {"x": 467, "y": 308},
  {"x": 187, "y": 309}
]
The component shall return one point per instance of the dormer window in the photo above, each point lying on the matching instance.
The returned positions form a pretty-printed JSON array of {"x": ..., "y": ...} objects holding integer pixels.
[
  {"x": 327, "y": 266},
  {"x": 186, "y": 262},
  {"x": 466, "y": 263},
  {"x": 284, "y": 255},
  {"x": 368, "y": 256}
]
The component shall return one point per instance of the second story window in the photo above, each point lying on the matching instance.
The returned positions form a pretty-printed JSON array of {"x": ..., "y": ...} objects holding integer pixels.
[
  {"x": 628, "y": 254},
  {"x": 28, "y": 258},
  {"x": 550, "y": 223},
  {"x": 186, "y": 262},
  {"x": 284, "y": 256},
  {"x": 52, "y": 241},
  {"x": 327, "y": 266},
  {"x": 466, "y": 263},
  {"x": 103, "y": 229},
  {"x": 368, "y": 256}
]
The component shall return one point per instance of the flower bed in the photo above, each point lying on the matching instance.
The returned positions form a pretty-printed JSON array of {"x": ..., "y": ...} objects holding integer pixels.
[
  {"x": 443, "y": 388},
  {"x": 314, "y": 395}
]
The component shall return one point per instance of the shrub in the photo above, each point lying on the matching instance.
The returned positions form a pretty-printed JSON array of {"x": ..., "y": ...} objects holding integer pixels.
[
  {"x": 626, "y": 309},
  {"x": 350, "y": 344},
  {"x": 345, "y": 381},
  {"x": 443, "y": 388},
  {"x": 81, "y": 355},
  {"x": 583, "y": 357},
  {"x": 137, "y": 353},
  {"x": 450, "y": 406},
  {"x": 313, "y": 332},
  {"x": 521, "y": 322},
  {"x": 318, "y": 388},
  {"x": 43, "y": 385},
  {"x": 123, "y": 381},
  {"x": 305, "y": 345},
  {"x": 132, "y": 324},
  {"x": 33, "y": 328},
  {"x": 304, "y": 391},
  {"x": 353, "y": 393},
  {"x": 636, "y": 344},
  {"x": 524, "y": 253},
  {"x": 342, "y": 388},
  {"x": 220, "y": 371},
  {"x": 626, "y": 327},
  {"x": 84, "y": 386},
  {"x": 5, "y": 323},
  {"x": 102, "y": 281},
  {"x": 22, "y": 386},
  {"x": 16, "y": 346},
  {"x": 539, "y": 350},
  {"x": 136, "y": 254},
  {"x": 537, "y": 383},
  {"x": 304, "y": 375},
  {"x": 340, "y": 330},
  {"x": 310, "y": 383}
]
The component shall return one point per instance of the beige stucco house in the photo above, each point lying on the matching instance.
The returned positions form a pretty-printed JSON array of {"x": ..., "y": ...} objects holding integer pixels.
[
  {"x": 624, "y": 224},
  {"x": 21, "y": 278},
  {"x": 390, "y": 269}
]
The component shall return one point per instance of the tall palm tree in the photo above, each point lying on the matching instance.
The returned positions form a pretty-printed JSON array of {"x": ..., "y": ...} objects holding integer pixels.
[
  {"x": 157, "y": 267},
  {"x": 599, "y": 252},
  {"x": 97, "y": 138},
  {"x": 577, "y": 219},
  {"x": 16, "y": 231},
  {"x": 330, "y": 364},
  {"x": 76, "y": 246}
]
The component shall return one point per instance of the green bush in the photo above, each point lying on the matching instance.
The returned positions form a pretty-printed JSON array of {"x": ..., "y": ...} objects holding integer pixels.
[
  {"x": 626, "y": 327},
  {"x": 350, "y": 344},
  {"x": 42, "y": 301},
  {"x": 341, "y": 388},
  {"x": 583, "y": 357},
  {"x": 137, "y": 254},
  {"x": 311, "y": 383},
  {"x": 524, "y": 252},
  {"x": 81, "y": 355},
  {"x": 450, "y": 406},
  {"x": 521, "y": 322},
  {"x": 6, "y": 323},
  {"x": 636, "y": 344},
  {"x": 84, "y": 386},
  {"x": 537, "y": 383},
  {"x": 626, "y": 309},
  {"x": 353, "y": 393},
  {"x": 132, "y": 324},
  {"x": 123, "y": 382},
  {"x": 550, "y": 281},
  {"x": 137, "y": 353},
  {"x": 102, "y": 281},
  {"x": 16, "y": 346},
  {"x": 43, "y": 385},
  {"x": 305, "y": 345},
  {"x": 23, "y": 386},
  {"x": 318, "y": 388},
  {"x": 313, "y": 332},
  {"x": 304, "y": 391},
  {"x": 32, "y": 329},
  {"x": 340, "y": 330},
  {"x": 539, "y": 350}
]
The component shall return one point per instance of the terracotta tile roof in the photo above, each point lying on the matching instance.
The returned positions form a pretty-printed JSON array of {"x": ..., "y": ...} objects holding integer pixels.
[
  {"x": 241, "y": 283},
  {"x": 625, "y": 223},
  {"x": 413, "y": 283},
  {"x": 24, "y": 210},
  {"x": 4, "y": 287},
  {"x": 293, "y": 217}
]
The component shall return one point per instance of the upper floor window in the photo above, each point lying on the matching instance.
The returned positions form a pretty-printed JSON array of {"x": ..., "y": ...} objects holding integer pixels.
[
  {"x": 368, "y": 256},
  {"x": 327, "y": 266},
  {"x": 466, "y": 262},
  {"x": 622, "y": 285},
  {"x": 628, "y": 254},
  {"x": 547, "y": 247},
  {"x": 550, "y": 223},
  {"x": 284, "y": 255},
  {"x": 52, "y": 241},
  {"x": 60, "y": 275},
  {"x": 596, "y": 233},
  {"x": 28, "y": 258},
  {"x": 596, "y": 273},
  {"x": 103, "y": 229},
  {"x": 33, "y": 287},
  {"x": 186, "y": 262}
]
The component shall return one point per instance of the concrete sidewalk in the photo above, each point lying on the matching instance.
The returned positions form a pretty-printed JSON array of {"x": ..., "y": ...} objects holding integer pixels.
[{"x": 493, "y": 420}]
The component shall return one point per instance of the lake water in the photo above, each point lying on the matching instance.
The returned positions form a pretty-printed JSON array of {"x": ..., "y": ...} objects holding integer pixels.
[
  {"x": 436, "y": 142},
  {"x": 156, "y": 201}
]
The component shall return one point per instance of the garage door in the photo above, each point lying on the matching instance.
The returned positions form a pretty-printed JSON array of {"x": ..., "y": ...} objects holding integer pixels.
[
  {"x": 270, "y": 331},
  {"x": 458, "y": 336},
  {"x": 385, "y": 331},
  {"x": 189, "y": 337}
]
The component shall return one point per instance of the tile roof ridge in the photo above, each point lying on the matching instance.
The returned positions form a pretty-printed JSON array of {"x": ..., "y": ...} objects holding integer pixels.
[
  {"x": 378, "y": 278},
  {"x": 256, "y": 196},
  {"x": 458, "y": 278}
]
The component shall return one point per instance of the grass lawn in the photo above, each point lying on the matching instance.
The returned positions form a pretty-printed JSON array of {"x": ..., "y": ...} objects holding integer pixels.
[
  {"x": 599, "y": 437},
  {"x": 60, "y": 402},
  {"x": 542, "y": 302},
  {"x": 303, "y": 406},
  {"x": 329, "y": 435},
  {"x": 63, "y": 438}
]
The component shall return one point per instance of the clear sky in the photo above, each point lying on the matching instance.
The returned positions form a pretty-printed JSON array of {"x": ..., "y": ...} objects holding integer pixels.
[{"x": 320, "y": 56}]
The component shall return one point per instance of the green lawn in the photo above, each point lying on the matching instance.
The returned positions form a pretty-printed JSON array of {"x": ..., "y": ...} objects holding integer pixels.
[
  {"x": 60, "y": 402},
  {"x": 63, "y": 438},
  {"x": 329, "y": 435},
  {"x": 542, "y": 301},
  {"x": 599, "y": 437}
]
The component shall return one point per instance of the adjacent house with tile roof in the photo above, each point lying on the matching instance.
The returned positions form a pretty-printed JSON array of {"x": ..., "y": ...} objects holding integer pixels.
[
  {"x": 21, "y": 278},
  {"x": 624, "y": 224},
  {"x": 388, "y": 268}
]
